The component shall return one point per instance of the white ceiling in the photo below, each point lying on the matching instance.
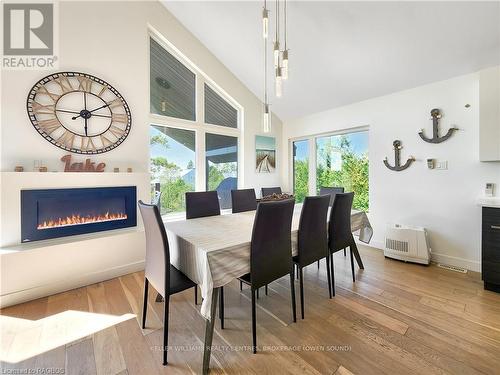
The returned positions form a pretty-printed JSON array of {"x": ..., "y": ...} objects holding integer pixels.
[{"x": 345, "y": 52}]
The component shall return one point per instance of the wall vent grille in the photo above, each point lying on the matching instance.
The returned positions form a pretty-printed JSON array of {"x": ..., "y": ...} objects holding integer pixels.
[{"x": 401, "y": 246}]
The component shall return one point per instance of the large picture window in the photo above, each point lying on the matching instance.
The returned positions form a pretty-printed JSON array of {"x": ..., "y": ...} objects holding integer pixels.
[
  {"x": 172, "y": 166},
  {"x": 221, "y": 159},
  {"x": 194, "y": 133}
]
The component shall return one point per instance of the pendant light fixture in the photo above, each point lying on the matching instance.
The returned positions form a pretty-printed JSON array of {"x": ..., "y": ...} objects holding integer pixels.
[
  {"x": 284, "y": 60},
  {"x": 280, "y": 58},
  {"x": 265, "y": 21}
]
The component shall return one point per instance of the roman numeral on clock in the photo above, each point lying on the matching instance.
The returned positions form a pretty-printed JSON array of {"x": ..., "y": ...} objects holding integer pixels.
[{"x": 49, "y": 125}]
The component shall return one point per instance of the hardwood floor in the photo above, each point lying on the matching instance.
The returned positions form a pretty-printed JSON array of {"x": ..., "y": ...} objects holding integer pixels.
[{"x": 397, "y": 318}]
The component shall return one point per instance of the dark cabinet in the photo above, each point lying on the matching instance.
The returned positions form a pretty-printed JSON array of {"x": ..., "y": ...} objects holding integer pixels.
[{"x": 491, "y": 249}]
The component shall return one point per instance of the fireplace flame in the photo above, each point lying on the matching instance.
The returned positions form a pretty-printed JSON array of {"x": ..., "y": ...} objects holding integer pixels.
[{"x": 78, "y": 220}]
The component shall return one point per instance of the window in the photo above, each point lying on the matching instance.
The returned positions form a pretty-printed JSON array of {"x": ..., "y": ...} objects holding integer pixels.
[
  {"x": 172, "y": 85},
  {"x": 342, "y": 160},
  {"x": 173, "y": 169},
  {"x": 218, "y": 111},
  {"x": 221, "y": 158},
  {"x": 194, "y": 130},
  {"x": 300, "y": 169}
]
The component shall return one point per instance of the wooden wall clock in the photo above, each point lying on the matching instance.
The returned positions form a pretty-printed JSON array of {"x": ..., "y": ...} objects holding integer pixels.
[{"x": 79, "y": 113}]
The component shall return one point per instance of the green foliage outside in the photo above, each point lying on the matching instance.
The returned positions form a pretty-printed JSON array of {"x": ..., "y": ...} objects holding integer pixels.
[
  {"x": 172, "y": 186},
  {"x": 216, "y": 173},
  {"x": 353, "y": 175},
  {"x": 301, "y": 188}
]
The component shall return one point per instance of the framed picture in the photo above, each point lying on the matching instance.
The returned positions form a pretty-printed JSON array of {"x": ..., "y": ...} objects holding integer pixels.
[{"x": 265, "y": 154}]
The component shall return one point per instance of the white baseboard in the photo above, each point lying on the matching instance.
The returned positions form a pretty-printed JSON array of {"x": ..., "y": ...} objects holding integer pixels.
[
  {"x": 471, "y": 265},
  {"x": 68, "y": 284}
]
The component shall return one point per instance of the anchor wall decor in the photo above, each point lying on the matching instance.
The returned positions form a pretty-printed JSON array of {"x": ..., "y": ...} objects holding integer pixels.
[
  {"x": 397, "y": 158},
  {"x": 436, "y": 115}
]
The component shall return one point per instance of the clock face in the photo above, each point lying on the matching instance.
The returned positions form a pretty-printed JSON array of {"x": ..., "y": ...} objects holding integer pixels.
[{"x": 79, "y": 112}]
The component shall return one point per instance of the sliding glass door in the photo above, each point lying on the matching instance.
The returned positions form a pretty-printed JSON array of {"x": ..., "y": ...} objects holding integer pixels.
[
  {"x": 300, "y": 169},
  {"x": 342, "y": 160}
]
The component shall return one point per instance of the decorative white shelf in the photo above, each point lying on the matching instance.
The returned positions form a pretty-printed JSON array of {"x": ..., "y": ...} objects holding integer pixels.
[
  {"x": 489, "y": 202},
  {"x": 70, "y": 240}
]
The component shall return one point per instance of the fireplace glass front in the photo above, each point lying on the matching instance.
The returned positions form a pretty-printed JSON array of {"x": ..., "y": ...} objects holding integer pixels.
[{"x": 52, "y": 213}]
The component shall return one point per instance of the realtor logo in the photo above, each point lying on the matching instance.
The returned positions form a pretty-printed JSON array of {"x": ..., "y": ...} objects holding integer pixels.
[{"x": 28, "y": 30}]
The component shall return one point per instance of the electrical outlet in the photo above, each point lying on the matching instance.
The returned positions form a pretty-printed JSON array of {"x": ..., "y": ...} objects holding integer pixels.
[{"x": 442, "y": 164}]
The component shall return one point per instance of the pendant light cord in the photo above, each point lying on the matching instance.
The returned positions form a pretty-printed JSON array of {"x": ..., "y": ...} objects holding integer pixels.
[{"x": 284, "y": 21}]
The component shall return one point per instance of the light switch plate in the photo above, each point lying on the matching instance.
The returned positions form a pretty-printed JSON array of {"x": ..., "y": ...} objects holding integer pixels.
[{"x": 442, "y": 164}]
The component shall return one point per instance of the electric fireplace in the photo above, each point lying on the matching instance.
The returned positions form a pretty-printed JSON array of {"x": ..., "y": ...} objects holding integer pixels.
[{"x": 52, "y": 213}]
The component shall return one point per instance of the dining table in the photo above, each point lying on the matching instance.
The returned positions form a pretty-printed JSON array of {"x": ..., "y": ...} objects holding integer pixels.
[{"x": 212, "y": 251}]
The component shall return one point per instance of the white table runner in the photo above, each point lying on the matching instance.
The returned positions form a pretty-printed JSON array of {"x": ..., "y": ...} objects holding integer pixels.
[{"x": 212, "y": 251}]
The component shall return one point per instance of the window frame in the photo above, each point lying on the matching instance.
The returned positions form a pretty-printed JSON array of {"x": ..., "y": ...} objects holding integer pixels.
[
  {"x": 312, "y": 143},
  {"x": 198, "y": 125}
]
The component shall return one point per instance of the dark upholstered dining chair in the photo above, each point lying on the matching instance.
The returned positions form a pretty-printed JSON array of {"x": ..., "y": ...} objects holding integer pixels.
[
  {"x": 202, "y": 204},
  {"x": 243, "y": 200},
  {"x": 164, "y": 277},
  {"x": 312, "y": 239},
  {"x": 331, "y": 191},
  {"x": 270, "y": 252},
  {"x": 270, "y": 191},
  {"x": 339, "y": 230}
]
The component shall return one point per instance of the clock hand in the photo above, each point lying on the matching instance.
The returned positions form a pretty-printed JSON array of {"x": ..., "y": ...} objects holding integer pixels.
[
  {"x": 96, "y": 109},
  {"x": 76, "y": 113},
  {"x": 85, "y": 127}
]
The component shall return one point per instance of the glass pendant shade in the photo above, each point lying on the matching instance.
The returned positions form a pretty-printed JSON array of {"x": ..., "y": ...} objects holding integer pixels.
[
  {"x": 278, "y": 90},
  {"x": 266, "y": 119},
  {"x": 284, "y": 65},
  {"x": 265, "y": 23},
  {"x": 276, "y": 54}
]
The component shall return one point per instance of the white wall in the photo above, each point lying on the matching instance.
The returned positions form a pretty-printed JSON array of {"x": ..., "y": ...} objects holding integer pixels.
[
  {"x": 443, "y": 201},
  {"x": 112, "y": 44}
]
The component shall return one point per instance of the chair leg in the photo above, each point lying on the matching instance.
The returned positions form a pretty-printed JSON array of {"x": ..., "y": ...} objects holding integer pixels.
[
  {"x": 241, "y": 285},
  {"x": 196, "y": 295},
  {"x": 145, "y": 302},
  {"x": 257, "y": 293},
  {"x": 254, "y": 328},
  {"x": 292, "y": 291},
  {"x": 165, "y": 329},
  {"x": 318, "y": 264},
  {"x": 221, "y": 307},
  {"x": 266, "y": 289},
  {"x": 344, "y": 252},
  {"x": 301, "y": 276},
  {"x": 352, "y": 266},
  {"x": 329, "y": 277},
  {"x": 332, "y": 272}
]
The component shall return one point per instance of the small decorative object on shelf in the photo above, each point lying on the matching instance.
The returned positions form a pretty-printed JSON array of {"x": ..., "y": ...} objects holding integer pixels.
[
  {"x": 397, "y": 158},
  {"x": 276, "y": 197},
  {"x": 43, "y": 169},
  {"x": 435, "y": 116},
  {"x": 129, "y": 170},
  {"x": 88, "y": 166},
  {"x": 116, "y": 170},
  {"x": 19, "y": 168}
]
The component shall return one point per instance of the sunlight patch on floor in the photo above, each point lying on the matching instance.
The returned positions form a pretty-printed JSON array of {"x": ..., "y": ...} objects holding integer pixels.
[{"x": 22, "y": 338}]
